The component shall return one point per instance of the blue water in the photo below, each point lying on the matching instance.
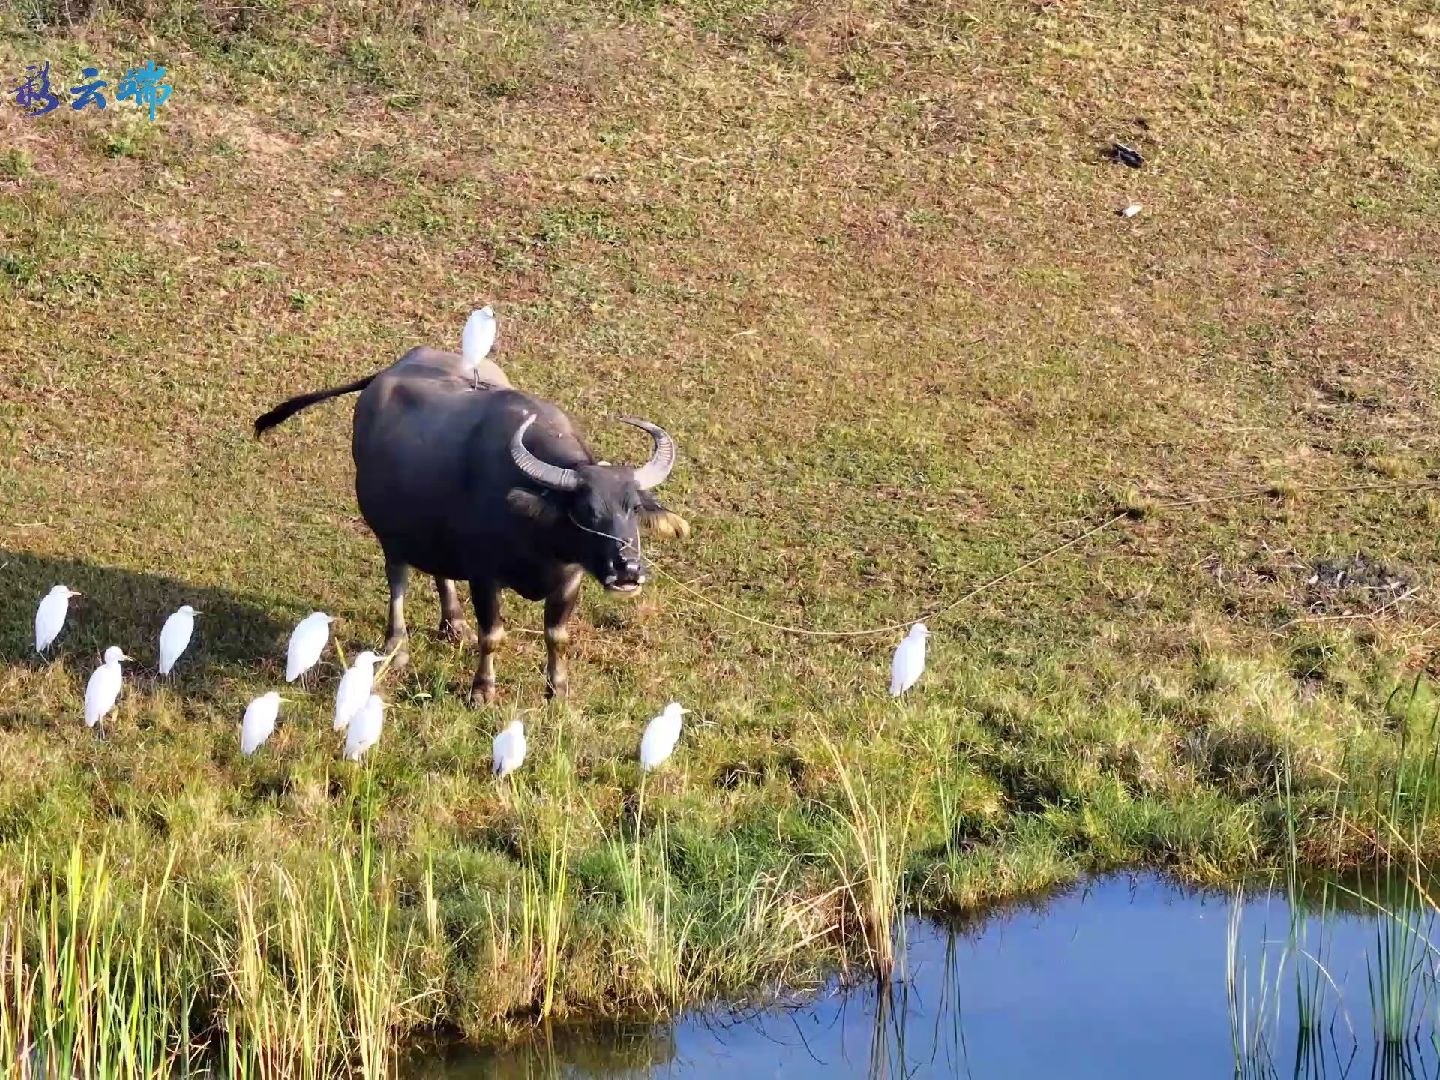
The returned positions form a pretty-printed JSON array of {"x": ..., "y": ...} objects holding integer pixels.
[{"x": 1124, "y": 977}]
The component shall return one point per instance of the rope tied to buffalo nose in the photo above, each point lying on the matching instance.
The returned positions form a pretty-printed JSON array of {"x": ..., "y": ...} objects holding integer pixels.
[
  {"x": 985, "y": 586},
  {"x": 626, "y": 543},
  {"x": 889, "y": 628}
]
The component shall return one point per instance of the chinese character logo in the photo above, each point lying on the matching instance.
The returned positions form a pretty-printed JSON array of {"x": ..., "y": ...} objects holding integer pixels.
[
  {"x": 144, "y": 85},
  {"x": 85, "y": 93},
  {"x": 33, "y": 93}
]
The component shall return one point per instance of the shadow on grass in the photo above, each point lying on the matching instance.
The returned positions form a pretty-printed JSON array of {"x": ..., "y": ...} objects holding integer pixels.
[{"x": 126, "y": 608}]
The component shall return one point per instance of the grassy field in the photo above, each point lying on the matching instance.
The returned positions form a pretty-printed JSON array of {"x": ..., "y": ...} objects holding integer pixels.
[{"x": 863, "y": 262}]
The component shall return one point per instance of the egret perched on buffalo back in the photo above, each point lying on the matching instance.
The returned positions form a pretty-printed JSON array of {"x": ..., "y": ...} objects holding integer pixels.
[
  {"x": 508, "y": 750},
  {"x": 661, "y": 735},
  {"x": 909, "y": 660},
  {"x": 354, "y": 689},
  {"x": 365, "y": 728},
  {"x": 307, "y": 642},
  {"x": 477, "y": 339},
  {"x": 50, "y": 616},
  {"x": 259, "y": 721},
  {"x": 175, "y": 636},
  {"x": 104, "y": 686}
]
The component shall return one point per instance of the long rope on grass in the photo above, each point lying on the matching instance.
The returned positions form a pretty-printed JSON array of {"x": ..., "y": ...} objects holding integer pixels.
[{"x": 944, "y": 609}]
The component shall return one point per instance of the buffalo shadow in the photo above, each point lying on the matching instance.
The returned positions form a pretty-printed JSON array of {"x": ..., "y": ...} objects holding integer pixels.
[{"x": 233, "y": 634}]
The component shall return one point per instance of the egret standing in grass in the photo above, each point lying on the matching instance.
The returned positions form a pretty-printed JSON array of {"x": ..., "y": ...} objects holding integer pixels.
[
  {"x": 259, "y": 721},
  {"x": 477, "y": 339},
  {"x": 104, "y": 686},
  {"x": 909, "y": 660},
  {"x": 365, "y": 728},
  {"x": 175, "y": 636},
  {"x": 508, "y": 750},
  {"x": 50, "y": 616},
  {"x": 661, "y": 735},
  {"x": 307, "y": 642},
  {"x": 354, "y": 689}
]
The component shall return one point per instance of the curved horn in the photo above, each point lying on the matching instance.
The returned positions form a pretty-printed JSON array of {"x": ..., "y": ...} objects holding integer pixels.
[
  {"x": 542, "y": 472},
  {"x": 653, "y": 473}
]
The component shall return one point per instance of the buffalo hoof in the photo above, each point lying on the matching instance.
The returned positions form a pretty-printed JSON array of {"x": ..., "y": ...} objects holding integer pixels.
[
  {"x": 456, "y": 631},
  {"x": 482, "y": 694},
  {"x": 557, "y": 692},
  {"x": 399, "y": 653}
]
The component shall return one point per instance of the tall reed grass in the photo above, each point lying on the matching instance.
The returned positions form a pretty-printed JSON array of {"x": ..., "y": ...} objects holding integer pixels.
[
  {"x": 677, "y": 945},
  {"x": 1402, "y": 963},
  {"x": 544, "y": 906},
  {"x": 312, "y": 979},
  {"x": 872, "y": 867}
]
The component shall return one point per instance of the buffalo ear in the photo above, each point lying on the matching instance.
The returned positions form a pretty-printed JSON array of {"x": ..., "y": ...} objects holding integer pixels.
[
  {"x": 661, "y": 522},
  {"x": 536, "y": 507},
  {"x": 665, "y": 524}
]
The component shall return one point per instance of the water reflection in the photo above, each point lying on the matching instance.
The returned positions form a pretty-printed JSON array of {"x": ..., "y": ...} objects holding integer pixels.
[
  {"x": 1128, "y": 976},
  {"x": 602, "y": 1050}
]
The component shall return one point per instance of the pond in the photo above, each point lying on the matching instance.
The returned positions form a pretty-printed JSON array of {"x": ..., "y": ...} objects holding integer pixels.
[{"x": 1122, "y": 976}]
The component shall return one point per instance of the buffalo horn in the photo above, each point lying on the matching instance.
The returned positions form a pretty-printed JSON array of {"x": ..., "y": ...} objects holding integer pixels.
[
  {"x": 653, "y": 473},
  {"x": 542, "y": 472}
]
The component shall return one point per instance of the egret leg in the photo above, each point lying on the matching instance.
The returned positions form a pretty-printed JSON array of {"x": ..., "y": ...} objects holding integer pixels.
[
  {"x": 397, "y": 574},
  {"x": 453, "y": 627},
  {"x": 486, "y": 598},
  {"x": 558, "y": 608}
]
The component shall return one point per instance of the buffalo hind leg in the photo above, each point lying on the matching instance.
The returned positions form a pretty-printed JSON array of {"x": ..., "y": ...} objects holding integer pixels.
[
  {"x": 558, "y": 609},
  {"x": 453, "y": 627},
  {"x": 398, "y": 575},
  {"x": 486, "y": 598}
]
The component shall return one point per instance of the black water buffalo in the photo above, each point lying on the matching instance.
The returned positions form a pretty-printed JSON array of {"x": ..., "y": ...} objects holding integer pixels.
[{"x": 464, "y": 477}]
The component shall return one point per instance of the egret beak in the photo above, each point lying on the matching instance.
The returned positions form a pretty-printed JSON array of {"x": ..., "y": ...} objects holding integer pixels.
[{"x": 124, "y": 657}]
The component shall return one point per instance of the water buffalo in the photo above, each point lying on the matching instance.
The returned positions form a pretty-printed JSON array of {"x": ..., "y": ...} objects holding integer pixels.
[{"x": 464, "y": 477}]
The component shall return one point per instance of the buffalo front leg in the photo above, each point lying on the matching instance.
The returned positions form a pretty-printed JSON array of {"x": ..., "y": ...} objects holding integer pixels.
[
  {"x": 558, "y": 609},
  {"x": 486, "y": 598},
  {"x": 453, "y": 627},
  {"x": 398, "y": 575}
]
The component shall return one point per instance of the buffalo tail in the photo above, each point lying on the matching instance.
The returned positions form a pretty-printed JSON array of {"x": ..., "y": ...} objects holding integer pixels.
[{"x": 287, "y": 409}]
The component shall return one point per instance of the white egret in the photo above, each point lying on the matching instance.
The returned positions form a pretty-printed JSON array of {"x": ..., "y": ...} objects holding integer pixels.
[
  {"x": 175, "y": 636},
  {"x": 104, "y": 686},
  {"x": 661, "y": 735},
  {"x": 307, "y": 642},
  {"x": 354, "y": 689},
  {"x": 259, "y": 721},
  {"x": 365, "y": 728},
  {"x": 50, "y": 616},
  {"x": 909, "y": 660},
  {"x": 477, "y": 339},
  {"x": 508, "y": 750}
]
